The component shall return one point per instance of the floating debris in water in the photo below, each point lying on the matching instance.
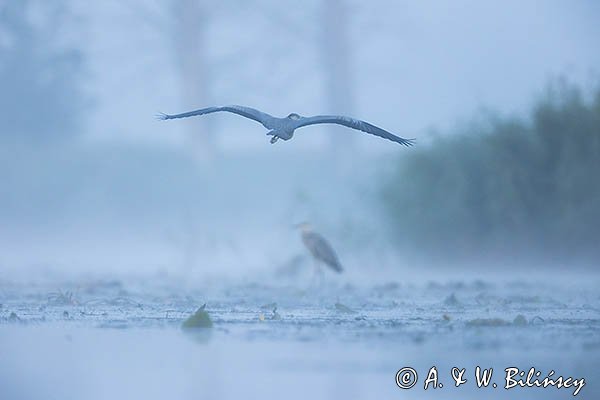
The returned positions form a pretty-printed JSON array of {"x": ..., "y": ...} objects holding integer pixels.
[
  {"x": 123, "y": 301},
  {"x": 487, "y": 322},
  {"x": 344, "y": 309},
  {"x": 65, "y": 314},
  {"x": 62, "y": 299},
  {"x": 275, "y": 316},
  {"x": 13, "y": 317},
  {"x": 537, "y": 320},
  {"x": 520, "y": 320},
  {"x": 200, "y": 319},
  {"x": 486, "y": 299},
  {"x": 261, "y": 317}
]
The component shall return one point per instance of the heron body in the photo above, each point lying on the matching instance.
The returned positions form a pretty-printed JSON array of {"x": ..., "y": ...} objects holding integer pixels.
[
  {"x": 320, "y": 248},
  {"x": 284, "y": 128}
]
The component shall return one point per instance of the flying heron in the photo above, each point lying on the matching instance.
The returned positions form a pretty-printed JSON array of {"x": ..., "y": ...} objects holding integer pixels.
[
  {"x": 319, "y": 248},
  {"x": 283, "y": 128}
]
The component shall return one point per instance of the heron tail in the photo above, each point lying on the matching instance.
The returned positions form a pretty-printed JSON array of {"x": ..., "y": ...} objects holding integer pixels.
[{"x": 337, "y": 267}]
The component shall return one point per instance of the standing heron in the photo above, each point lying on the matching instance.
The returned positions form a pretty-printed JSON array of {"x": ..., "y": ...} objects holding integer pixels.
[
  {"x": 319, "y": 248},
  {"x": 283, "y": 128}
]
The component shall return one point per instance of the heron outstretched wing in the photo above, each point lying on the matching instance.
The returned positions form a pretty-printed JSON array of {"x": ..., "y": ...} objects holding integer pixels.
[
  {"x": 354, "y": 124},
  {"x": 248, "y": 112}
]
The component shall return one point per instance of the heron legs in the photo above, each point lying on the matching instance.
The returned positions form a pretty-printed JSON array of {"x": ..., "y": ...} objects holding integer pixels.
[
  {"x": 317, "y": 274},
  {"x": 276, "y": 135}
]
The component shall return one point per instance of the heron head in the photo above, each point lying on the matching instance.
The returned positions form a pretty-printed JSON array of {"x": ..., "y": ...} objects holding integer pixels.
[{"x": 293, "y": 116}]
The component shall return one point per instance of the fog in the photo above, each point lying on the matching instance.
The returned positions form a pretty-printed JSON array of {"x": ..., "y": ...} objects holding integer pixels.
[
  {"x": 121, "y": 220},
  {"x": 88, "y": 172}
]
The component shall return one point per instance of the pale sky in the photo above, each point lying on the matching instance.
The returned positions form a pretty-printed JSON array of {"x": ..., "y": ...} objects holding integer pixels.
[{"x": 417, "y": 65}]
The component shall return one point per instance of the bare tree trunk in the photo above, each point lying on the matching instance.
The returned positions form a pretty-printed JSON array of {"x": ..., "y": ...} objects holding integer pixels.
[
  {"x": 190, "y": 47},
  {"x": 336, "y": 55}
]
